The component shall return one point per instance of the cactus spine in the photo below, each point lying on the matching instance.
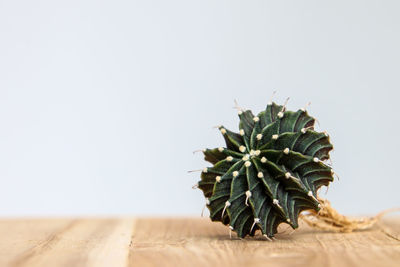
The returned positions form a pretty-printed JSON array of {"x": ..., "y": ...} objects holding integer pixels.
[{"x": 268, "y": 172}]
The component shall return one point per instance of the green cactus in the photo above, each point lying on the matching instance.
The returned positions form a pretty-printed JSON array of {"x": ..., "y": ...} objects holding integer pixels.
[{"x": 268, "y": 173}]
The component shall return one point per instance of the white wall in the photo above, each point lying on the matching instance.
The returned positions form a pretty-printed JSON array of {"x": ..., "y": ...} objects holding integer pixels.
[{"x": 103, "y": 102}]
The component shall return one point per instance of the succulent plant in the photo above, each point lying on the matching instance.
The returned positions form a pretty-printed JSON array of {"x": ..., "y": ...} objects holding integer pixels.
[{"x": 268, "y": 173}]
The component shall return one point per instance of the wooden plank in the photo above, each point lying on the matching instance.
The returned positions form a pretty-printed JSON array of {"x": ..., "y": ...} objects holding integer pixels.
[
  {"x": 113, "y": 250},
  {"x": 194, "y": 242},
  {"x": 82, "y": 242},
  {"x": 18, "y": 236},
  {"x": 186, "y": 242}
]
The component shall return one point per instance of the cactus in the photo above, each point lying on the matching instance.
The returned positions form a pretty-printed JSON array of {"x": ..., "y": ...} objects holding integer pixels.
[{"x": 268, "y": 173}]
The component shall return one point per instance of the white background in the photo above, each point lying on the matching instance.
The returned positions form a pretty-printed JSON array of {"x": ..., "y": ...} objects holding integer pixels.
[{"x": 103, "y": 102}]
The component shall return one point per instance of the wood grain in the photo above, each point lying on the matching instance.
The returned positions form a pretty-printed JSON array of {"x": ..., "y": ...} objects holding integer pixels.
[{"x": 186, "y": 242}]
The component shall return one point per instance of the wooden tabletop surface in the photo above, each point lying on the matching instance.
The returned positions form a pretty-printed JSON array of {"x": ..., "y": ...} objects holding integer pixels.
[{"x": 191, "y": 242}]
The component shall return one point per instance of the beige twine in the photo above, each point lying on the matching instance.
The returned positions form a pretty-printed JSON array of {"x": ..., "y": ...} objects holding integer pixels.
[{"x": 329, "y": 219}]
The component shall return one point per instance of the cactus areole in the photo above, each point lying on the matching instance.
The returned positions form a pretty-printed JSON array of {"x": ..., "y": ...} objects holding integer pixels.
[{"x": 268, "y": 173}]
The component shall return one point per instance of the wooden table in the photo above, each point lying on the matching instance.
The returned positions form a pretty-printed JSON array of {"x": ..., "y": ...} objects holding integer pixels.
[{"x": 191, "y": 242}]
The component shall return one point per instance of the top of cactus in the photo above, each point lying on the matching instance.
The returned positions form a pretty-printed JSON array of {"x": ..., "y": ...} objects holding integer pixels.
[{"x": 268, "y": 172}]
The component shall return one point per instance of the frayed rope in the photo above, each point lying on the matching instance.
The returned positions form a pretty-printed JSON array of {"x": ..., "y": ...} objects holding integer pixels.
[{"x": 327, "y": 218}]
